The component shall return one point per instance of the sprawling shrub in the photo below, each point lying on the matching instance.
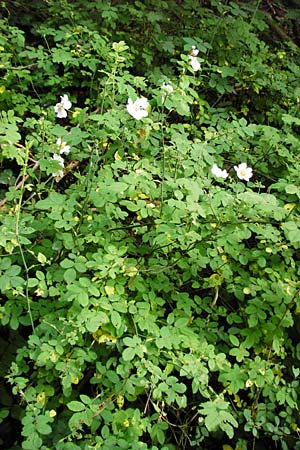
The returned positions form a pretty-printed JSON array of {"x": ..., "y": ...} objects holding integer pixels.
[{"x": 150, "y": 226}]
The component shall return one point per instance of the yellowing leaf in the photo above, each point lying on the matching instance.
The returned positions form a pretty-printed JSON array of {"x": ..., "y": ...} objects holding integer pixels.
[
  {"x": 246, "y": 291},
  {"x": 132, "y": 271},
  {"x": 143, "y": 196},
  {"x": 76, "y": 113},
  {"x": 41, "y": 398},
  {"x": 215, "y": 280},
  {"x": 120, "y": 401},
  {"x": 117, "y": 156},
  {"x": 101, "y": 337},
  {"x": 110, "y": 290},
  {"x": 289, "y": 206}
]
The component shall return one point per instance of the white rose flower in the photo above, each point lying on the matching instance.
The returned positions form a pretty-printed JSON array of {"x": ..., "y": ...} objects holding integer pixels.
[
  {"x": 64, "y": 100},
  {"x": 138, "y": 109},
  {"x": 219, "y": 173},
  {"x": 60, "y": 111},
  {"x": 63, "y": 147},
  {"x": 59, "y": 159},
  {"x": 59, "y": 173},
  {"x": 168, "y": 88},
  {"x": 194, "y": 62},
  {"x": 194, "y": 51},
  {"x": 62, "y": 107},
  {"x": 243, "y": 172}
]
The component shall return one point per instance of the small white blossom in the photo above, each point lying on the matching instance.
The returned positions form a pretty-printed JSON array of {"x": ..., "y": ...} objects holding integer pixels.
[
  {"x": 60, "y": 111},
  {"x": 219, "y": 173},
  {"x": 138, "y": 109},
  {"x": 64, "y": 99},
  {"x": 168, "y": 88},
  {"x": 243, "y": 172},
  {"x": 194, "y": 51},
  {"x": 62, "y": 107},
  {"x": 59, "y": 159},
  {"x": 63, "y": 147},
  {"x": 194, "y": 62},
  {"x": 59, "y": 173}
]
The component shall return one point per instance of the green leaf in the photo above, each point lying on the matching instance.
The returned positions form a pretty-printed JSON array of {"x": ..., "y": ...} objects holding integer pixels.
[
  {"x": 240, "y": 353},
  {"x": 62, "y": 56},
  {"x": 33, "y": 442},
  {"x": 83, "y": 298},
  {"x": 228, "y": 429},
  {"x": 77, "y": 419},
  {"x": 85, "y": 399},
  {"x": 70, "y": 275},
  {"x": 42, "y": 425},
  {"x": 234, "y": 340},
  {"x": 292, "y": 189},
  {"x": 128, "y": 354},
  {"x": 41, "y": 258},
  {"x": 116, "y": 319},
  {"x": 95, "y": 321},
  {"x": 54, "y": 202},
  {"x": 32, "y": 282},
  {"x": 76, "y": 406},
  {"x": 66, "y": 263},
  {"x": 292, "y": 231}
]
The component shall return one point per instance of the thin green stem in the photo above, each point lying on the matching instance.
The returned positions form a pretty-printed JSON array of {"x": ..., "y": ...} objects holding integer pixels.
[
  {"x": 18, "y": 213},
  {"x": 163, "y": 156},
  {"x": 163, "y": 172},
  {"x": 255, "y": 11},
  {"x": 94, "y": 159}
]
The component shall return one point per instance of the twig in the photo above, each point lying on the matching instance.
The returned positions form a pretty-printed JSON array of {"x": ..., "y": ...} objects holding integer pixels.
[
  {"x": 148, "y": 400},
  {"x": 21, "y": 183}
]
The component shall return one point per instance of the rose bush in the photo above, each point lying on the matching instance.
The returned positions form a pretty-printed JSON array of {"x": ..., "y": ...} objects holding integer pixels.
[{"x": 150, "y": 230}]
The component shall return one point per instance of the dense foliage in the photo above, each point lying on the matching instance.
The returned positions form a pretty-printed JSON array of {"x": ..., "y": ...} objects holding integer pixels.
[{"x": 148, "y": 301}]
